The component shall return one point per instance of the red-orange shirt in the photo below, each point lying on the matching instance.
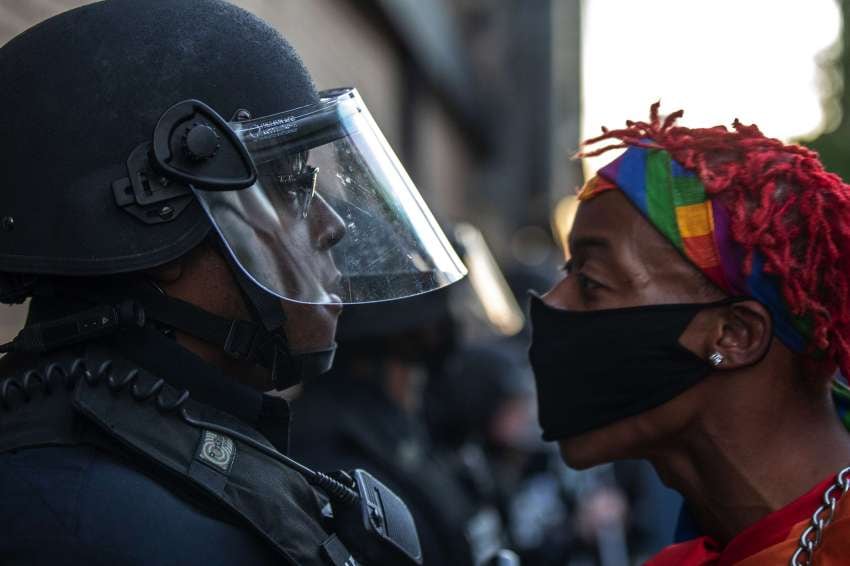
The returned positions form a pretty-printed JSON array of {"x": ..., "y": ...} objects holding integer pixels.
[{"x": 770, "y": 541}]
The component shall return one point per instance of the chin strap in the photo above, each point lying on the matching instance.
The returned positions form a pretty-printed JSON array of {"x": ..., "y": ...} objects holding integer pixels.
[
  {"x": 240, "y": 339},
  {"x": 268, "y": 311}
]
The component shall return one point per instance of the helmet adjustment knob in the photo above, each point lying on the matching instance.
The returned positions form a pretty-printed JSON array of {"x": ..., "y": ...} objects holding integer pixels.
[
  {"x": 195, "y": 146},
  {"x": 200, "y": 142}
]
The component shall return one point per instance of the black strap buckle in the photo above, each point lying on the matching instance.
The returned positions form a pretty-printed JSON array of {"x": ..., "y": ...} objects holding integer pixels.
[
  {"x": 76, "y": 328},
  {"x": 148, "y": 195},
  {"x": 241, "y": 341}
]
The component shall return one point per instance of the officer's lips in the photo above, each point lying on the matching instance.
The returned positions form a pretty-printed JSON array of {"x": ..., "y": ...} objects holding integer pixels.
[
  {"x": 336, "y": 283},
  {"x": 335, "y": 303}
]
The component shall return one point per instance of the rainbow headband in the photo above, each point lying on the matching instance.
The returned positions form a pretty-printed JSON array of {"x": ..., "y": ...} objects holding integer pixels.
[{"x": 674, "y": 200}]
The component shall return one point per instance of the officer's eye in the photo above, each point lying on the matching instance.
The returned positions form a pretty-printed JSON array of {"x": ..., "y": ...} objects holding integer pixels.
[
  {"x": 293, "y": 195},
  {"x": 297, "y": 195},
  {"x": 288, "y": 187}
]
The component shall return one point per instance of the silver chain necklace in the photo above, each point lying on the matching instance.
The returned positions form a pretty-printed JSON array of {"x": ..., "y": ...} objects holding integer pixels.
[{"x": 821, "y": 518}]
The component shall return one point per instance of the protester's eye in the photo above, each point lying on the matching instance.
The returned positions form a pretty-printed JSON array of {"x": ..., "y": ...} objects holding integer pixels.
[{"x": 585, "y": 283}]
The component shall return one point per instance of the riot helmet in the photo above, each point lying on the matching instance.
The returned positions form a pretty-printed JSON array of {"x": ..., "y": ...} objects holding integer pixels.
[{"x": 135, "y": 129}]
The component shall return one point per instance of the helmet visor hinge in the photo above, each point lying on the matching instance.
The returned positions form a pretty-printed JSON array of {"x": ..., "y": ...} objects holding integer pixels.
[
  {"x": 194, "y": 144},
  {"x": 148, "y": 195}
]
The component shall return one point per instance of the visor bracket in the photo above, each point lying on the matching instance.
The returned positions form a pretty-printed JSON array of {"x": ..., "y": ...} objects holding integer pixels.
[
  {"x": 192, "y": 143},
  {"x": 146, "y": 194}
]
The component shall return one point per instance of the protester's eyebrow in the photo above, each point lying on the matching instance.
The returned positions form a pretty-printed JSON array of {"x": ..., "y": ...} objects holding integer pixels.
[{"x": 583, "y": 243}]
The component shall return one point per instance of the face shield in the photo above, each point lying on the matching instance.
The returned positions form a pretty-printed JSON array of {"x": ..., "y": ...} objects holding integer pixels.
[{"x": 333, "y": 216}]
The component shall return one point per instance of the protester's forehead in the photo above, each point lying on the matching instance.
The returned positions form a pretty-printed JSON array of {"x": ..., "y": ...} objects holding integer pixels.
[
  {"x": 610, "y": 222},
  {"x": 609, "y": 228}
]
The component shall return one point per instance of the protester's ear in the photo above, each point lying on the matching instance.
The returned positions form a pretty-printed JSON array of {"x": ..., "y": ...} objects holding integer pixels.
[{"x": 740, "y": 333}]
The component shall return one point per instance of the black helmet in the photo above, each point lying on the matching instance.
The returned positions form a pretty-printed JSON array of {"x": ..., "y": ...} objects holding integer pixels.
[
  {"x": 133, "y": 127},
  {"x": 83, "y": 89}
]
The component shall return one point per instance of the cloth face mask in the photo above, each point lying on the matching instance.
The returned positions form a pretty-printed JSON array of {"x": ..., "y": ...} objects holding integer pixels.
[{"x": 593, "y": 368}]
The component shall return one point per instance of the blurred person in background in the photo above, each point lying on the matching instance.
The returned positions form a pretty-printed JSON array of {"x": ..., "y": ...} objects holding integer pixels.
[
  {"x": 482, "y": 422},
  {"x": 479, "y": 410},
  {"x": 373, "y": 396},
  {"x": 699, "y": 325},
  {"x": 188, "y": 215},
  {"x": 480, "y": 415},
  {"x": 389, "y": 356}
]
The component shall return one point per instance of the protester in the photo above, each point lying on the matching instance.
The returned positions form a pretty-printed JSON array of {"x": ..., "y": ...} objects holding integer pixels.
[{"x": 702, "y": 316}]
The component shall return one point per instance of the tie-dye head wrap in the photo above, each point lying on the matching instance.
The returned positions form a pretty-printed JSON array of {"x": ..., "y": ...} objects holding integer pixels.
[
  {"x": 674, "y": 200},
  {"x": 759, "y": 218}
]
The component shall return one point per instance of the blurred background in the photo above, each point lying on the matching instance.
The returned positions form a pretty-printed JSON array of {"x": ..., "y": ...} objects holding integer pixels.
[{"x": 485, "y": 101}]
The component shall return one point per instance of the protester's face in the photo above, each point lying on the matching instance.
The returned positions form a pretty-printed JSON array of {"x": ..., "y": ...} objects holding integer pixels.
[{"x": 619, "y": 260}]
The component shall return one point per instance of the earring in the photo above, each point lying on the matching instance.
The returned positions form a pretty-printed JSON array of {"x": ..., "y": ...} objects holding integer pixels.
[{"x": 716, "y": 359}]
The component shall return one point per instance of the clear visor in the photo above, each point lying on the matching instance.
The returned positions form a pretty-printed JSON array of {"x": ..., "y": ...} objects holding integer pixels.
[{"x": 333, "y": 216}]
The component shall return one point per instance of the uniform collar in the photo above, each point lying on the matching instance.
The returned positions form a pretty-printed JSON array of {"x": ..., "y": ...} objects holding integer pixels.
[{"x": 182, "y": 369}]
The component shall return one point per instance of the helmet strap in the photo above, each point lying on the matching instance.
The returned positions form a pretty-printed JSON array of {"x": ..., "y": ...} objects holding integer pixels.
[{"x": 266, "y": 309}]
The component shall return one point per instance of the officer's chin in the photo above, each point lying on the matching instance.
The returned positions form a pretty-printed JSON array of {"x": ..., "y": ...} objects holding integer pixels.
[{"x": 310, "y": 327}]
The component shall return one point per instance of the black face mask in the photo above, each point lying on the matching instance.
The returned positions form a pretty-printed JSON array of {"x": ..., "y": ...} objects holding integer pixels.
[{"x": 594, "y": 368}]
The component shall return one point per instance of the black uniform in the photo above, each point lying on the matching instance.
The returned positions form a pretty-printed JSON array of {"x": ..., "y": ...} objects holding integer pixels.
[
  {"x": 370, "y": 431},
  {"x": 108, "y": 470}
]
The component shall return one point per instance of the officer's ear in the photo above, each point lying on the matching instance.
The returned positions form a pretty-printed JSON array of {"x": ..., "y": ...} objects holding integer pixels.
[
  {"x": 168, "y": 273},
  {"x": 204, "y": 254},
  {"x": 741, "y": 333}
]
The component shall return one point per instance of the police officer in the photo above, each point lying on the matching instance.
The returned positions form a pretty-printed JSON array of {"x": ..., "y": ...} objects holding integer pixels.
[{"x": 187, "y": 216}]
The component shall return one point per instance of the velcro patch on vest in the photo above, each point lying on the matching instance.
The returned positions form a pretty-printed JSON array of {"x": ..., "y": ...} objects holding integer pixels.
[{"x": 216, "y": 450}]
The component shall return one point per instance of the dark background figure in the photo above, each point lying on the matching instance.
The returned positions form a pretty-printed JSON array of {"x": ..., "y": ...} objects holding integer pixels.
[
  {"x": 480, "y": 412},
  {"x": 365, "y": 413}
]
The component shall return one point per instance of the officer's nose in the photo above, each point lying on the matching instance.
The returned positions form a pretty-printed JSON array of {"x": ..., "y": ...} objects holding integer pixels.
[{"x": 326, "y": 226}]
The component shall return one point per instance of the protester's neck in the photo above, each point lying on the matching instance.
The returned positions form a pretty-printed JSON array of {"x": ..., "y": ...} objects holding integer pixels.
[{"x": 755, "y": 458}]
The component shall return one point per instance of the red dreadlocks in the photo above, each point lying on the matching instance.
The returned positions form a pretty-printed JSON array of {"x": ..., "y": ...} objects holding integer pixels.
[{"x": 781, "y": 202}]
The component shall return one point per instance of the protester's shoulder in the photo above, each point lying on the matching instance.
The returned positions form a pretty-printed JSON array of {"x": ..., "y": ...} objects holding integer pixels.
[
  {"x": 835, "y": 547},
  {"x": 81, "y": 505}
]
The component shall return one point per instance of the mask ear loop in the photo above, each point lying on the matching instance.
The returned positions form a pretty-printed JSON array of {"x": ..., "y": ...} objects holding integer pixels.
[{"x": 533, "y": 293}]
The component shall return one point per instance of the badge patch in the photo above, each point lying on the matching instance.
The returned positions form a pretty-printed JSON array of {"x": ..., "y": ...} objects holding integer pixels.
[{"x": 217, "y": 450}]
